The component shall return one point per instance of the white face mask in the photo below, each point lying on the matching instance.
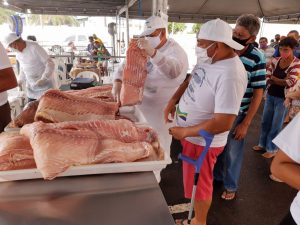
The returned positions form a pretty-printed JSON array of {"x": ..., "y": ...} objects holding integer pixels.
[
  {"x": 154, "y": 41},
  {"x": 202, "y": 56}
]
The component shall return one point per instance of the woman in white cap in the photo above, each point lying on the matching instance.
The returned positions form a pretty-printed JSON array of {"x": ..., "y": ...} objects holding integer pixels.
[
  {"x": 167, "y": 68},
  {"x": 7, "y": 81},
  {"x": 36, "y": 66}
]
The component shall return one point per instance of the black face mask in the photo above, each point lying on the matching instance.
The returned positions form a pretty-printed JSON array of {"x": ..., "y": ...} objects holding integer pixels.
[{"x": 240, "y": 41}]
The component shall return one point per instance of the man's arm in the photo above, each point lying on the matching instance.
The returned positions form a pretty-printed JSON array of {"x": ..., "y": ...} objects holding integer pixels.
[
  {"x": 171, "y": 106},
  {"x": 293, "y": 95},
  {"x": 241, "y": 130},
  {"x": 7, "y": 79},
  {"x": 170, "y": 63},
  {"x": 218, "y": 124},
  {"x": 286, "y": 169}
]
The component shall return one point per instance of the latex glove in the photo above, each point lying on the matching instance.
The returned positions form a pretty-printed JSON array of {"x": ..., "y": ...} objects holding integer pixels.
[
  {"x": 144, "y": 44},
  {"x": 116, "y": 90},
  {"x": 40, "y": 82}
]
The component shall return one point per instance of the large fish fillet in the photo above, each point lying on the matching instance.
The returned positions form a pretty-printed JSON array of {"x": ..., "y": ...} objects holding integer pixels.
[
  {"x": 57, "y": 106},
  {"x": 55, "y": 150},
  {"x": 134, "y": 75},
  {"x": 15, "y": 152}
]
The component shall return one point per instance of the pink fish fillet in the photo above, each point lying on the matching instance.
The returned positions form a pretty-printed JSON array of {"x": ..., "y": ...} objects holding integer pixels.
[
  {"x": 57, "y": 106},
  {"x": 15, "y": 152},
  {"x": 122, "y": 130},
  {"x": 134, "y": 75},
  {"x": 55, "y": 150},
  {"x": 100, "y": 92}
]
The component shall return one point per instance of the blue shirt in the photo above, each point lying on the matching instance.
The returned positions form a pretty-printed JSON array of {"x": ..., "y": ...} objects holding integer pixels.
[{"x": 255, "y": 65}]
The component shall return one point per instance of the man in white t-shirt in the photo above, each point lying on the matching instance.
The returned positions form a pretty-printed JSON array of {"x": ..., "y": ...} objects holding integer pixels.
[
  {"x": 286, "y": 165},
  {"x": 7, "y": 81},
  {"x": 36, "y": 66},
  {"x": 210, "y": 101}
]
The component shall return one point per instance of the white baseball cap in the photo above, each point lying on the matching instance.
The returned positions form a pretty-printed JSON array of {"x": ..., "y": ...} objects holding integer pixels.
[
  {"x": 220, "y": 31},
  {"x": 10, "y": 38},
  {"x": 153, "y": 23}
]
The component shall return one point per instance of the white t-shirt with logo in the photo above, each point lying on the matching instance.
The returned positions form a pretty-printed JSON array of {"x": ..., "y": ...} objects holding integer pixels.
[
  {"x": 289, "y": 142},
  {"x": 4, "y": 63},
  {"x": 214, "y": 88}
]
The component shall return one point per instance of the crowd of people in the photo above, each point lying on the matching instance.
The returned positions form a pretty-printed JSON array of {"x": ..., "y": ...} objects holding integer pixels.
[{"x": 221, "y": 95}]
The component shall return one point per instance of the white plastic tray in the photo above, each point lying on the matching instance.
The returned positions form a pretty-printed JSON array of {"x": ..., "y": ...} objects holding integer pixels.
[
  {"x": 133, "y": 113},
  {"x": 27, "y": 174}
]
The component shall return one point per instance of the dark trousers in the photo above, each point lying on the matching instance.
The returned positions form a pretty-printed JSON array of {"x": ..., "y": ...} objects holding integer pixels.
[
  {"x": 4, "y": 116},
  {"x": 288, "y": 220}
]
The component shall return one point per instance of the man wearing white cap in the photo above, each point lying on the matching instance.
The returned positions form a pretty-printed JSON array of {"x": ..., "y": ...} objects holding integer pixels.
[
  {"x": 167, "y": 67},
  {"x": 209, "y": 101},
  {"x": 7, "y": 81},
  {"x": 36, "y": 67}
]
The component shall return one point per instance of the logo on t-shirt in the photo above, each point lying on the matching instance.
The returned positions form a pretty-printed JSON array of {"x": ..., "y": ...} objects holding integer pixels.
[
  {"x": 199, "y": 76},
  {"x": 181, "y": 115}
]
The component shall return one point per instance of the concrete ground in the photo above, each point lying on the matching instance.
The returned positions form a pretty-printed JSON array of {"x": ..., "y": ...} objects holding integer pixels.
[{"x": 259, "y": 200}]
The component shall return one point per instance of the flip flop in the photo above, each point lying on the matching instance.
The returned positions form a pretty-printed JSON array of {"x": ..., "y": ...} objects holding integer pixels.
[
  {"x": 181, "y": 222},
  {"x": 269, "y": 155},
  {"x": 258, "y": 148},
  {"x": 227, "y": 193}
]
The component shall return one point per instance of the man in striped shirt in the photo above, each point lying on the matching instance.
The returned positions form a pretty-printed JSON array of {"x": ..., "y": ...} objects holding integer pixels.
[{"x": 228, "y": 166}]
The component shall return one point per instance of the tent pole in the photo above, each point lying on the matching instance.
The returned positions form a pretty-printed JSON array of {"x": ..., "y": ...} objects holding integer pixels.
[
  {"x": 154, "y": 7},
  {"x": 127, "y": 23}
]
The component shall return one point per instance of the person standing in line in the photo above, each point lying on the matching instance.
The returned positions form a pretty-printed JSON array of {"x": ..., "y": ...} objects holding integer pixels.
[
  {"x": 209, "y": 100},
  {"x": 229, "y": 163}
]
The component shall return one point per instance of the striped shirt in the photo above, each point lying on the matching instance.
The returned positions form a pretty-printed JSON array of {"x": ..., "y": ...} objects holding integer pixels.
[
  {"x": 292, "y": 71},
  {"x": 255, "y": 65}
]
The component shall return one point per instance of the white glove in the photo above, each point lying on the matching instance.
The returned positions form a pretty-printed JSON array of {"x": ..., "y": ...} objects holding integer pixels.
[
  {"x": 144, "y": 44},
  {"x": 40, "y": 82},
  {"x": 116, "y": 90}
]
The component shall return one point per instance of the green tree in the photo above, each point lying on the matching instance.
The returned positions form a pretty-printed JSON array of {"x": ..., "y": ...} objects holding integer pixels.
[
  {"x": 52, "y": 20},
  {"x": 196, "y": 28},
  {"x": 5, "y": 14},
  {"x": 176, "y": 27}
]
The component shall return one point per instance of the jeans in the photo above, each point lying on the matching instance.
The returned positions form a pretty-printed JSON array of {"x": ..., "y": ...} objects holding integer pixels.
[
  {"x": 229, "y": 163},
  {"x": 272, "y": 122}
]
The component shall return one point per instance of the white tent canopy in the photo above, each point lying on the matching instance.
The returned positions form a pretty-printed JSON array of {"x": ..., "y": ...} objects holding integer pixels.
[{"x": 179, "y": 10}]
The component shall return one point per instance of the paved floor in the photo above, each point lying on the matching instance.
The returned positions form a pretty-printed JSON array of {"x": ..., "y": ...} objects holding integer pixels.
[{"x": 260, "y": 201}]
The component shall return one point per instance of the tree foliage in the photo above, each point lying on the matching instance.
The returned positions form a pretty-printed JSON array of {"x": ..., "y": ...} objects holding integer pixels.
[
  {"x": 196, "y": 27},
  {"x": 5, "y": 14},
  {"x": 176, "y": 27},
  {"x": 52, "y": 20}
]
